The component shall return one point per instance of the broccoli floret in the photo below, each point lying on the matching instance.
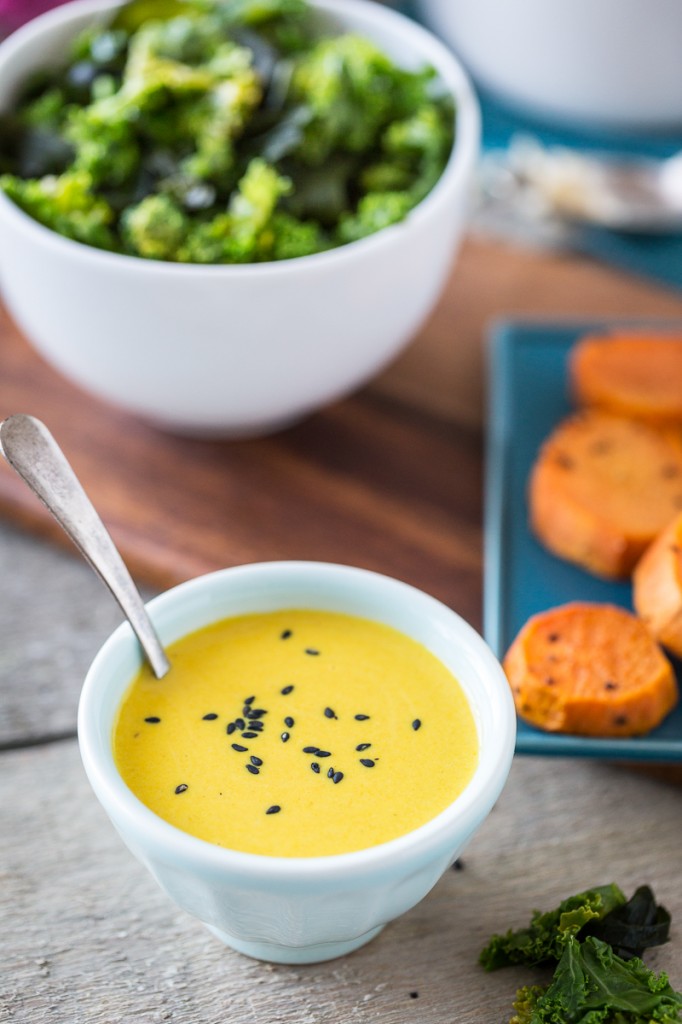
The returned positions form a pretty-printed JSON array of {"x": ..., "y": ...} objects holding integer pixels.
[
  {"x": 66, "y": 204},
  {"x": 375, "y": 211},
  {"x": 259, "y": 12},
  {"x": 347, "y": 83},
  {"x": 108, "y": 152},
  {"x": 421, "y": 143},
  {"x": 292, "y": 237},
  {"x": 155, "y": 228},
  {"x": 175, "y": 98},
  {"x": 46, "y": 111},
  {"x": 236, "y": 236}
]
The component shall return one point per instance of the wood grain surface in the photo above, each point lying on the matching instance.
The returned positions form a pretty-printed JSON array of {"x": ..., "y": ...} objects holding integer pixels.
[
  {"x": 389, "y": 479},
  {"x": 88, "y": 938},
  {"x": 368, "y": 480}
]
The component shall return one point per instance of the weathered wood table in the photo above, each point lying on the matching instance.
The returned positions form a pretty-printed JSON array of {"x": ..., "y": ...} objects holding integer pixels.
[{"x": 390, "y": 479}]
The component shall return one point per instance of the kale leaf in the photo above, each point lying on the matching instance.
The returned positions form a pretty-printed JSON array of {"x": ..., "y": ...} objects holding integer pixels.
[
  {"x": 548, "y": 933},
  {"x": 592, "y": 985}
]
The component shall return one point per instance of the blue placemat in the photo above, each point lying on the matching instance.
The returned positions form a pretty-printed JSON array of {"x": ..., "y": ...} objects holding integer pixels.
[{"x": 657, "y": 257}]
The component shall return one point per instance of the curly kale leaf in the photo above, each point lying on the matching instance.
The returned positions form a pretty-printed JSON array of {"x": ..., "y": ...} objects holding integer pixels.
[
  {"x": 547, "y": 934},
  {"x": 632, "y": 928},
  {"x": 592, "y": 985}
]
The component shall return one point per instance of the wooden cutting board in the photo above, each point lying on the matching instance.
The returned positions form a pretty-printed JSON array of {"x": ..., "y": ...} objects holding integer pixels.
[{"x": 389, "y": 479}]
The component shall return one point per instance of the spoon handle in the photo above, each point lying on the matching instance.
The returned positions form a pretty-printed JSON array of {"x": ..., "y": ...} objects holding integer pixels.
[{"x": 31, "y": 450}]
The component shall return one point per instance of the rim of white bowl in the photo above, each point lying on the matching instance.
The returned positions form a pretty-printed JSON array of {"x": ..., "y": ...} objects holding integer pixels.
[
  {"x": 171, "y": 843},
  {"x": 433, "y": 51}
]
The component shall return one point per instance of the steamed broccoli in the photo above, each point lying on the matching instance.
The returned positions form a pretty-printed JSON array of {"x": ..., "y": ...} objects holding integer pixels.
[
  {"x": 155, "y": 228},
  {"x": 375, "y": 211},
  {"x": 223, "y": 131},
  {"x": 347, "y": 83},
  {"x": 67, "y": 204},
  {"x": 240, "y": 234}
]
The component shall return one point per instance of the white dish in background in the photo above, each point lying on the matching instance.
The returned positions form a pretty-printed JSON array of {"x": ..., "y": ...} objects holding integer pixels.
[
  {"x": 314, "y": 908},
  {"x": 613, "y": 64},
  {"x": 234, "y": 350}
]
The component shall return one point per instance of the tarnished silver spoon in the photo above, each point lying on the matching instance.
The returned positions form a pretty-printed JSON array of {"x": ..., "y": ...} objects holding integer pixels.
[{"x": 31, "y": 450}]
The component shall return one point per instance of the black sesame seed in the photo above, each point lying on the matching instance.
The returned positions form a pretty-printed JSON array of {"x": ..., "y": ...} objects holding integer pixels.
[
  {"x": 330, "y": 773},
  {"x": 182, "y": 788},
  {"x": 256, "y": 713},
  {"x": 240, "y": 723},
  {"x": 414, "y": 995},
  {"x": 610, "y": 685},
  {"x": 363, "y": 746},
  {"x": 367, "y": 761},
  {"x": 315, "y": 767},
  {"x": 153, "y": 720},
  {"x": 256, "y": 760},
  {"x": 239, "y": 748},
  {"x": 324, "y": 753},
  {"x": 416, "y": 724},
  {"x": 285, "y": 634},
  {"x": 286, "y": 690},
  {"x": 249, "y": 700},
  {"x": 458, "y": 865},
  {"x": 230, "y": 728},
  {"x": 275, "y": 809},
  {"x": 255, "y": 726},
  {"x": 249, "y": 735},
  {"x": 336, "y": 777},
  {"x": 252, "y": 768},
  {"x": 329, "y": 713},
  {"x": 211, "y": 717},
  {"x": 311, "y": 651},
  {"x": 361, "y": 718},
  {"x": 288, "y": 721},
  {"x": 284, "y": 737},
  {"x": 310, "y": 750}
]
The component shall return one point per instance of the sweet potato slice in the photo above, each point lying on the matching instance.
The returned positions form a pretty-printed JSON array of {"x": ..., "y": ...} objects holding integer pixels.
[
  {"x": 591, "y": 670},
  {"x": 602, "y": 488},
  {"x": 631, "y": 374},
  {"x": 657, "y": 587}
]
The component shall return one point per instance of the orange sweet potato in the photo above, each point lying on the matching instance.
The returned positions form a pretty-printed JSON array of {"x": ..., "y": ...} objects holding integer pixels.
[
  {"x": 657, "y": 587},
  {"x": 591, "y": 670},
  {"x": 601, "y": 488},
  {"x": 631, "y": 374}
]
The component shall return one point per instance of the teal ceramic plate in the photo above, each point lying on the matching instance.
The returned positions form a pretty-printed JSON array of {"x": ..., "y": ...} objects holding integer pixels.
[{"x": 527, "y": 397}]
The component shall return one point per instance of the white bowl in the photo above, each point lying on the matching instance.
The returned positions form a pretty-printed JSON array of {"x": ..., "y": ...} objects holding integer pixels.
[
  {"x": 315, "y": 908},
  {"x": 234, "y": 350},
  {"x": 611, "y": 64}
]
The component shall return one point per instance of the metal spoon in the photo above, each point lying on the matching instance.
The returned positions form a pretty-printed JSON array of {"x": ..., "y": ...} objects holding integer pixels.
[
  {"x": 31, "y": 450},
  {"x": 630, "y": 194}
]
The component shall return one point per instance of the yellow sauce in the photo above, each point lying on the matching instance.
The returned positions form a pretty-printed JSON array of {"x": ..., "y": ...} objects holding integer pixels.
[{"x": 172, "y": 746}]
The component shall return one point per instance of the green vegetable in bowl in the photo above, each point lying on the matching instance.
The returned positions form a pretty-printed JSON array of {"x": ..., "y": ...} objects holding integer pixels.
[{"x": 224, "y": 131}]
